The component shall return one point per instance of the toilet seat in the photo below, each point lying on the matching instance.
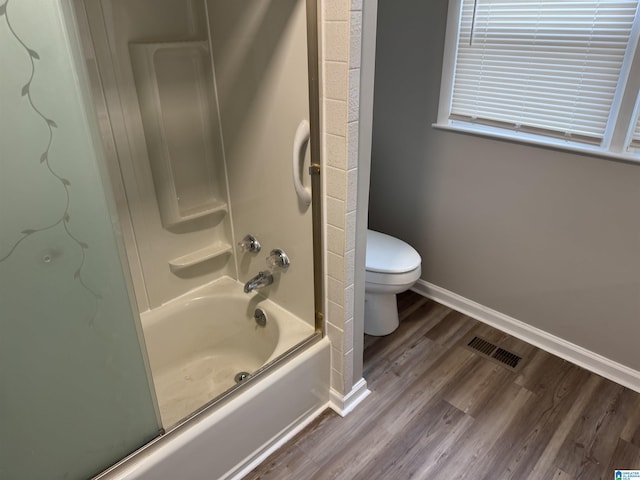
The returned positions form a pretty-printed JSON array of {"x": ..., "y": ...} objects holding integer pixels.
[
  {"x": 404, "y": 278},
  {"x": 390, "y": 255}
]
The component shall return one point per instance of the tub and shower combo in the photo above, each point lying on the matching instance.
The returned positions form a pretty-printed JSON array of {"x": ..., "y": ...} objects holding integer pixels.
[{"x": 207, "y": 126}]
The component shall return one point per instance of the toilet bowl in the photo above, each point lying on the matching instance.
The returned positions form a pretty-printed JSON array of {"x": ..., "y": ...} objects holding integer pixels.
[{"x": 392, "y": 266}]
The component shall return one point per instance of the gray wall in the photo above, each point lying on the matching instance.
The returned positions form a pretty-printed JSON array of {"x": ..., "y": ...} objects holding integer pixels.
[{"x": 547, "y": 237}]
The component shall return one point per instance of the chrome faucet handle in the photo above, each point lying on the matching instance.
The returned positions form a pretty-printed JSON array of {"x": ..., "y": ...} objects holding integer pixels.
[
  {"x": 278, "y": 259},
  {"x": 250, "y": 244}
]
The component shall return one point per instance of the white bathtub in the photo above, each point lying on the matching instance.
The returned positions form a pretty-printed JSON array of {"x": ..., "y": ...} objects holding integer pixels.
[
  {"x": 199, "y": 342},
  {"x": 226, "y": 440}
]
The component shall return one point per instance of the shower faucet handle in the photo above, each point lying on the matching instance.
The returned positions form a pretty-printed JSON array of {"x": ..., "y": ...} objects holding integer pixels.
[
  {"x": 278, "y": 259},
  {"x": 250, "y": 244}
]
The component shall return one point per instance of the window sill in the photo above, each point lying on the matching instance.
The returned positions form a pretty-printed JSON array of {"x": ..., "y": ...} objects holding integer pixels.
[{"x": 537, "y": 141}]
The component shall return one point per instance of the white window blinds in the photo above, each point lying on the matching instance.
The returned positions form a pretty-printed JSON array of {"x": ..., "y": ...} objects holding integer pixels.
[
  {"x": 547, "y": 67},
  {"x": 635, "y": 137}
]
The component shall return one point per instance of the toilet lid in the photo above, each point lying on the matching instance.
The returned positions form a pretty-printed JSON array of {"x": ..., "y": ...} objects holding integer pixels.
[{"x": 387, "y": 254}]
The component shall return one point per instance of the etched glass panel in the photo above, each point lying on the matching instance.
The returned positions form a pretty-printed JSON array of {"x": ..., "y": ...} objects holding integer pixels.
[{"x": 74, "y": 392}]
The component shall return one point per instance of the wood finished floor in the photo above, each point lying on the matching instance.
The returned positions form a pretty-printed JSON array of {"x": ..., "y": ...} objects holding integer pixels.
[{"x": 439, "y": 411}]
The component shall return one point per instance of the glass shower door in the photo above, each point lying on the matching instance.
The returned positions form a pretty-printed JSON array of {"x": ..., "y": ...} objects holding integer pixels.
[{"x": 75, "y": 396}]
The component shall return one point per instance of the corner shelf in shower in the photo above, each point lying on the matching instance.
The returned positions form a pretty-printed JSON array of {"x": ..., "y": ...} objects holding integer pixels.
[
  {"x": 199, "y": 212},
  {"x": 199, "y": 256},
  {"x": 173, "y": 84}
]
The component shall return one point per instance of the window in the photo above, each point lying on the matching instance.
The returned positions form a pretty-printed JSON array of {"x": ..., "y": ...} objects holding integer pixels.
[
  {"x": 634, "y": 143},
  {"x": 559, "y": 72}
]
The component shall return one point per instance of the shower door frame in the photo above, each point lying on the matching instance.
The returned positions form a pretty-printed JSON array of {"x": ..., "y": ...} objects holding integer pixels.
[{"x": 315, "y": 169}]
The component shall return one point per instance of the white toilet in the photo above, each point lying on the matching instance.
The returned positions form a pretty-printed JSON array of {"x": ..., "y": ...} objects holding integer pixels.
[{"x": 392, "y": 266}]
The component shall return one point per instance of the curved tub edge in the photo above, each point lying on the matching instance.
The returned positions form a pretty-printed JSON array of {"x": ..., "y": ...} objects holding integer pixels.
[{"x": 233, "y": 438}]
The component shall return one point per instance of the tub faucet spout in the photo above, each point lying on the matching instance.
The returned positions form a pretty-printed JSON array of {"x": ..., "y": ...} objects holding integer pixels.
[{"x": 262, "y": 279}]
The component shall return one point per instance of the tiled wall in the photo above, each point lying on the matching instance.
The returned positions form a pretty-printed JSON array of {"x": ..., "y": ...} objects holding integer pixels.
[{"x": 341, "y": 37}]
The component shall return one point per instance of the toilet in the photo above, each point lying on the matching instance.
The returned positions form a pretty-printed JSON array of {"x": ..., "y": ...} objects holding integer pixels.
[{"x": 392, "y": 266}]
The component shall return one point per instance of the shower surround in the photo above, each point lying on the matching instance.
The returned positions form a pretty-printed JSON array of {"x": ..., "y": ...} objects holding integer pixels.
[{"x": 203, "y": 99}]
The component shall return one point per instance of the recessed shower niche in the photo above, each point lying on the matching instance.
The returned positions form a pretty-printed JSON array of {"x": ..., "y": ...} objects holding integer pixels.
[
  {"x": 156, "y": 69},
  {"x": 173, "y": 81},
  {"x": 179, "y": 115}
]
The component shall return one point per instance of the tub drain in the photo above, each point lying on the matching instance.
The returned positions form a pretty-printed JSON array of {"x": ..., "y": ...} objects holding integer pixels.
[
  {"x": 241, "y": 377},
  {"x": 260, "y": 317}
]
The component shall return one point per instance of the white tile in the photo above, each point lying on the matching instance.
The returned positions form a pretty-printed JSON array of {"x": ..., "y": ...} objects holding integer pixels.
[
  {"x": 337, "y": 381},
  {"x": 336, "y": 41},
  {"x": 353, "y": 135},
  {"x": 335, "y": 80},
  {"x": 335, "y": 212},
  {"x": 336, "y": 183},
  {"x": 352, "y": 190},
  {"x": 354, "y": 95},
  {"x": 337, "y": 359},
  {"x": 355, "y": 41},
  {"x": 336, "y": 9},
  {"x": 336, "y": 266},
  {"x": 356, "y": 5},
  {"x": 348, "y": 301},
  {"x": 335, "y": 314},
  {"x": 349, "y": 266},
  {"x": 336, "y": 292},
  {"x": 336, "y": 337},
  {"x": 347, "y": 370},
  {"x": 334, "y": 332},
  {"x": 350, "y": 231},
  {"x": 348, "y": 335},
  {"x": 336, "y": 151},
  {"x": 335, "y": 120},
  {"x": 335, "y": 240}
]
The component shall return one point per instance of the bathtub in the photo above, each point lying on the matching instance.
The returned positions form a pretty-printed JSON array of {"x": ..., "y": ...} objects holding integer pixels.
[{"x": 196, "y": 345}]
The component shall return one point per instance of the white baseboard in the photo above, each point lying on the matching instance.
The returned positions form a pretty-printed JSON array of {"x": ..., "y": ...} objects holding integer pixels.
[
  {"x": 562, "y": 348},
  {"x": 344, "y": 404},
  {"x": 277, "y": 444}
]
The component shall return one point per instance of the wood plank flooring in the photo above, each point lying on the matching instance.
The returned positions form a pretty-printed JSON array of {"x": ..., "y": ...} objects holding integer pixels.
[{"x": 441, "y": 411}]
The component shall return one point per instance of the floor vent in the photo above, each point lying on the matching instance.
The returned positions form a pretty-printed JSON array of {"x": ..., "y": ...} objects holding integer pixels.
[
  {"x": 482, "y": 345},
  {"x": 507, "y": 357},
  {"x": 495, "y": 353}
]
